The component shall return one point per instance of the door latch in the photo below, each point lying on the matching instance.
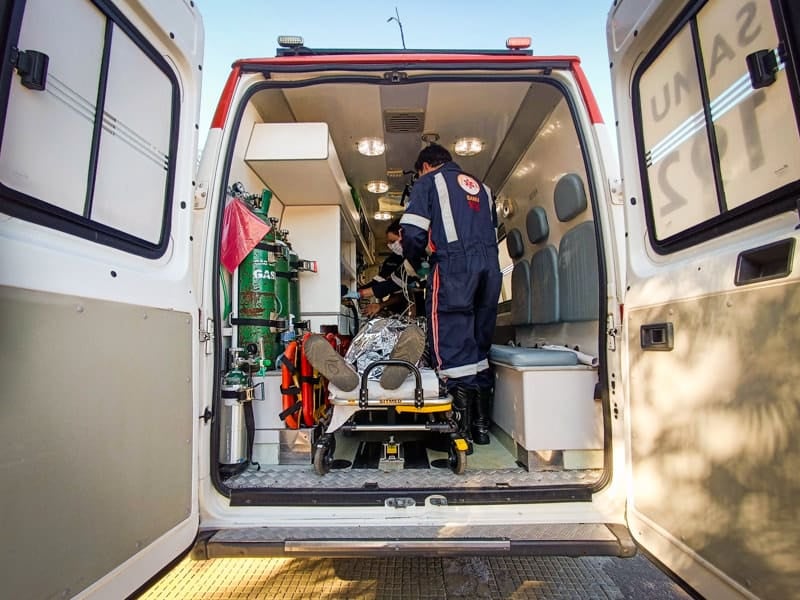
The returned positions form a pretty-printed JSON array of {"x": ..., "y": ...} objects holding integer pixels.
[
  {"x": 31, "y": 66},
  {"x": 611, "y": 333},
  {"x": 657, "y": 336}
]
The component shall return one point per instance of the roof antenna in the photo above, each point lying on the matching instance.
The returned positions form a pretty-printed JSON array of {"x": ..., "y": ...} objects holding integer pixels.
[{"x": 399, "y": 24}]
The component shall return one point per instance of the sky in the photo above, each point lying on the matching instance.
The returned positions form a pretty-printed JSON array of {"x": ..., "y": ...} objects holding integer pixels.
[{"x": 250, "y": 28}]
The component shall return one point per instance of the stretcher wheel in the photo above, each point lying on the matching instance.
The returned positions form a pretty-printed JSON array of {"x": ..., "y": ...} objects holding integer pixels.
[
  {"x": 323, "y": 454},
  {"x": 457, "y": 459}
]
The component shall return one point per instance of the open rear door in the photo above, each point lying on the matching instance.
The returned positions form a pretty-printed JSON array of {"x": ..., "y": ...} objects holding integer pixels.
[
  {"x": 99, "y": 323},
  {"x": 707, "y": 100}
]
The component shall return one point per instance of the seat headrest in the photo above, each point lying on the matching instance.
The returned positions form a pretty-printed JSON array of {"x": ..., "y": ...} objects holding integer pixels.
[
  {"x": 514, "y": 244},
  {"x": 536, "y": 224},
  {"x": 569, "y": 197}
]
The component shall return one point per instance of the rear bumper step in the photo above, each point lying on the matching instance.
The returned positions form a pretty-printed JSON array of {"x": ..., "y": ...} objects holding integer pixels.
[{"x": 564, "y": 539}]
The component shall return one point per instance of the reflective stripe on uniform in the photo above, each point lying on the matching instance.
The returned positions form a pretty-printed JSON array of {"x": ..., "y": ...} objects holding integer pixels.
[
  {"x": 444, "y": 206},
  {"x": 483, "y": 365},
  {"x": 416, "y": 220},
  {"x": 460, "y": 371}
]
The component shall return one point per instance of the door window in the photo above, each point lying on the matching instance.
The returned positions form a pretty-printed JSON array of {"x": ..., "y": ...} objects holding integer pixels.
[
  {"x": 93, "y": 152},
  {"x": 714, "y": 150}
]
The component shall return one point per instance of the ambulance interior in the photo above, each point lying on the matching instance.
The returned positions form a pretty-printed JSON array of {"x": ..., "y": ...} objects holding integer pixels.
[{"x": 304, "y": 137}]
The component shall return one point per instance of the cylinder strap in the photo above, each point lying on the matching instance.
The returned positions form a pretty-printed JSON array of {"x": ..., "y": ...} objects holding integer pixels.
[
  {"x": 279, "y": 323},
  {"x": 268, "y": 247},
  {"x": 309, "y": 379},
  {"x": 292, "y": 390},
  {"x": 286, "y": 274}
]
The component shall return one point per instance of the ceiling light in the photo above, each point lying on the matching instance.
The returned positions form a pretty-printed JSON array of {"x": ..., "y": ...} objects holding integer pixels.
[
  {"x": 382, "y": 216},
  {"x": 371, "y": 146},
  {"x": 430, "y": 137},
  {"x": 377, "y": 186},
  {"x": 468, "y": 146}
]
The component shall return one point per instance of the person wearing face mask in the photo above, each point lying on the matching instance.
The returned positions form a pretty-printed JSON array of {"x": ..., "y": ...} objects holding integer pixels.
[{"x": 388, "y": 284}]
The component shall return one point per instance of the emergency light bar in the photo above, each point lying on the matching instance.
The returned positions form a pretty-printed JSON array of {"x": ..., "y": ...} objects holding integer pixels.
[
  {"x": 290, "y": 41},
  {"x": 518, "y": 43}
]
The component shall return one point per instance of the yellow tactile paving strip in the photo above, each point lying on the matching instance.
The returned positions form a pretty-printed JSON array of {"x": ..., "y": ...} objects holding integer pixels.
[{"x": 403, "y": 578}]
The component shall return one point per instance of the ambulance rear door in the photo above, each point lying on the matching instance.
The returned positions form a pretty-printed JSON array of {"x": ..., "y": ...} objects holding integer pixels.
[
  {"x": 706, "y": 95},
  {"x": 100, "y": 326}
]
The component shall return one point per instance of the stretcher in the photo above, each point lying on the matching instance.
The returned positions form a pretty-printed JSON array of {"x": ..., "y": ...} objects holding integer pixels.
[{"x": 419, "y": 394}]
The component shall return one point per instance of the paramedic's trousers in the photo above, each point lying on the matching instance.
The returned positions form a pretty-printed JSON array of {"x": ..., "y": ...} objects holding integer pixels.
[{"x": 463, "y": 290}]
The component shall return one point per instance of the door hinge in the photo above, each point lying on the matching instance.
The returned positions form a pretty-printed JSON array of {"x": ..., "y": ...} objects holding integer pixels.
[
  {"x": 207, "y": 335},
  {"x": 611, "y": 332}
]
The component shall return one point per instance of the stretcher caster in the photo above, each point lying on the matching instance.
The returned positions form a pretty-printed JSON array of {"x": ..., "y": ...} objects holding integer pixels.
[
  {"x": 323, "y": 454},
  {"x": 457, "y": 456}
]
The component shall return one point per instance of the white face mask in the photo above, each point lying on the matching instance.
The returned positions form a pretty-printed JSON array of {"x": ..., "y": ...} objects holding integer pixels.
[{"x": 396, "y": 247}]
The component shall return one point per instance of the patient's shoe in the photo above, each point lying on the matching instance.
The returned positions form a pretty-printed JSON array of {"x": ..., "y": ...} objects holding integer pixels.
[
  {"x": 409, "y": 347},
  {"x": 330, "y": 363}
]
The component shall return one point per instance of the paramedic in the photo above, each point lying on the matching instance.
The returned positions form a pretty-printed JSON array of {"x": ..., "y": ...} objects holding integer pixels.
[
  {"x": 452, "y": 215},
  {"x": 390, "y": 284}
]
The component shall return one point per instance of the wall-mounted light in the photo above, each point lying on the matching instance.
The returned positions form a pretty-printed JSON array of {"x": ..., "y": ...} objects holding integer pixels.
[
  {"x": 377, "y": 186},
  {"x": 468, "y": 146},
  {"x": 370, "y": 146}
]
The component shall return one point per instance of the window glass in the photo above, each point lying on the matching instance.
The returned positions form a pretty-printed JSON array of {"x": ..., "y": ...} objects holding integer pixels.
[
  {"x": 758, "y": 144},
  {"x": 506, "y": 267},
  {"x": 47, "y": 135},
  {"x": 678, "y": 157},
  {"x": 134, "y": 147},
  {"x": 704, "y": 158},
  {"x": 96, "y": 142}
]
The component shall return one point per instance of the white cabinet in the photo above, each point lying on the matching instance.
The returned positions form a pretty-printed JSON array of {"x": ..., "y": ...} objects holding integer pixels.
[{"x": 298, "y": 162}]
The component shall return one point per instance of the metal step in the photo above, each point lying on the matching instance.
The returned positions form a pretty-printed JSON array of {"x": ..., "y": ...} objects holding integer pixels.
[{"x": 563, "y": 539}]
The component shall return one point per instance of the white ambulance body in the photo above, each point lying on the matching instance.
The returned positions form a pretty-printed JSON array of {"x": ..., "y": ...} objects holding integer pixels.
[{"x": 674, "y": 429}]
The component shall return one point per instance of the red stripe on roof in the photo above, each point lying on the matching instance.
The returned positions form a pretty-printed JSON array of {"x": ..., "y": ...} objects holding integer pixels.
[
  {"x": 225, "y": 99},
  {"x": 588, "y": 96},
  {"x": 368, "y": 59}
]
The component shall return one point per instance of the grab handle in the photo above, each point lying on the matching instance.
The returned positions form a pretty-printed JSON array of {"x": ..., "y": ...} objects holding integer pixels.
[{"x": 363, "y": 393}]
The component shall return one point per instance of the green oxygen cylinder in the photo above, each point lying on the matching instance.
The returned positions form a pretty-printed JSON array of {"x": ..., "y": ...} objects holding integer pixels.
[{"x": 256, "y": 289}]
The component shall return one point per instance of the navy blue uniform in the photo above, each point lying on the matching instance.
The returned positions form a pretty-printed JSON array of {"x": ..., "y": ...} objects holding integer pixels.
[
  {"x": 454, "y": 214},
  {"x": 392, "y": 278}
]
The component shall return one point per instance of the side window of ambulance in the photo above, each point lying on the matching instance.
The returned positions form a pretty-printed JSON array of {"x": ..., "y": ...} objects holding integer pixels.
[
  {"x": 714, "y": 149},
  {"x": 506, "y": 267},
  {"x": 93, "y": 152}
]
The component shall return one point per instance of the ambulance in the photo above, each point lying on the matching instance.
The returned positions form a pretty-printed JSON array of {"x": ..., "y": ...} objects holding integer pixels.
[{"x": 645, "y": 392}]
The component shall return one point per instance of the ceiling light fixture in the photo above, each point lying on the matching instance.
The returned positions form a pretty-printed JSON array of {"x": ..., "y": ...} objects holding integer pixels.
[
  {"x": 468, "y": 146},
  {"x": 377, "y": 186},
  {"x": 370, "y": 146},
  {"x": 382, "y": 216}
]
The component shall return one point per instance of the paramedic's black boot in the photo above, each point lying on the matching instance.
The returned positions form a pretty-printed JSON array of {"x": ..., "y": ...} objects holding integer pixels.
[
  {"x": 481, "y": 416},
  {"x": 463, "y": 399}
]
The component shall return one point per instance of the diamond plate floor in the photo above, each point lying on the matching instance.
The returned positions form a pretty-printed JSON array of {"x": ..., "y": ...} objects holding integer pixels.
[
  {"x": 557, "y": 578},
  {"x": 489, "y": 466}
]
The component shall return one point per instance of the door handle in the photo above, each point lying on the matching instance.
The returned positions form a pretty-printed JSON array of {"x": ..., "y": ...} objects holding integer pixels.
[
  {"x": 772, "y": 261},
  {"x": 657, "y": 336}
]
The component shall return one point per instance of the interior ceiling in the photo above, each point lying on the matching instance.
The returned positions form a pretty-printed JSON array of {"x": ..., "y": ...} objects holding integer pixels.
[{"x": 450, "y": 109}]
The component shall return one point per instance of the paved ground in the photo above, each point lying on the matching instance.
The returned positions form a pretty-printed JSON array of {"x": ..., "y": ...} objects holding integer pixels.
[{"x": 467, "y": 578}]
